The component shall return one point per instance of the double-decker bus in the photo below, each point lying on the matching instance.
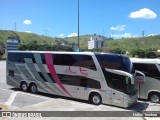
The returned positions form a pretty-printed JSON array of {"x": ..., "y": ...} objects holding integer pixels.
[
  {"x": 151, "y": 68},
  {"x": 97, "y": 77}
]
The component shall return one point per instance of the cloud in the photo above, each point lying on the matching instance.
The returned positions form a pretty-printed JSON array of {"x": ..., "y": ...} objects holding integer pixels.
[
  {"x": 144, "y": 13},
  {"x": 61, "y": 35},
  {"x": 118, "y": 28},
  {"x": 27, "y": 22},
  {"x": 28, "y": 31},
  {"x": 152, "y": 35},
  {"x": 125, "y": 35},
  {"x": 73, "y": 35}
]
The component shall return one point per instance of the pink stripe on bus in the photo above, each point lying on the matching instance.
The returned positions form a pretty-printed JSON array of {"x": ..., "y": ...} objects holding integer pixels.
[{"x": 50, "y": 65}]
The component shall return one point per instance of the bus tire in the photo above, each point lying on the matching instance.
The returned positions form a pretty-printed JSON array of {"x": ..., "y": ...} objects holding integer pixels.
[
  {"x": 154, "y": 97},
  {"x": 24, "y": 86},
  {"x": 33, "y": 88},
  {"x": 95, "y": 98}
]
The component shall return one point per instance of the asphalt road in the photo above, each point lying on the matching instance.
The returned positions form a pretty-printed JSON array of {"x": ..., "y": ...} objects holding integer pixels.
[{"x": 14, "y": 99}]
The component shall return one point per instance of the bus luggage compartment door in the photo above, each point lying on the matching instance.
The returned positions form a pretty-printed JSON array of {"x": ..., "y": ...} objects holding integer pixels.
[{"x": 81, "y": 88}]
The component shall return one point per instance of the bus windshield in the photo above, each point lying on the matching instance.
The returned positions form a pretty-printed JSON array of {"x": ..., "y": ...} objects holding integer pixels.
[
  {"x": 131, "y": 88},
  {"x": 116, "y": 81},
  {"x": 117, "y": 62},
  {"x": 120, "y": 83}
]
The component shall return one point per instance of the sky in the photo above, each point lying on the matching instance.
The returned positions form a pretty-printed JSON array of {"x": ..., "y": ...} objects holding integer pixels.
[{"x": 59, "y": 18}]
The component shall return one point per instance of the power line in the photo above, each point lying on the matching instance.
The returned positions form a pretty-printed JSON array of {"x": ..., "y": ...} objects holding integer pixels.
[
  {"x": 15, "y": 27},
  {"x": 142, "y": 33}
]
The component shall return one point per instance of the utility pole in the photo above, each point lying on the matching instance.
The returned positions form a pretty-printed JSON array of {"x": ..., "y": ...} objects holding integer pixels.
[
  {"x": 142, "y": 33},
  {"x": 143, "y": 38},
  {"x": 45, "y": 32},
  {"x": 113, "y": 34},
  {"x": 45, "y": 35},
  {"x": 15, "y": 27},
  {"x": 78, "y": 25}
]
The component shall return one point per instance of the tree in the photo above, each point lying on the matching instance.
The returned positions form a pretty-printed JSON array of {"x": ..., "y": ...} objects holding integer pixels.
[
  {"x": 44, "y": 47},
  {"x": 2, "y": 51}
]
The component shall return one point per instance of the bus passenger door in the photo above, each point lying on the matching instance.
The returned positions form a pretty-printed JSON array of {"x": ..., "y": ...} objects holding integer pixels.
[
  {"x": 117, "y": 96},
  {"x": 140, "y": 84},
  {"x": 108, "y": 96}
]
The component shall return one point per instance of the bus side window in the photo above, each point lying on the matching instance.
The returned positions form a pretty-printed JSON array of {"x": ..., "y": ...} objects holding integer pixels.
[
  {"x": 88, "y": 62},
  {"x": 83, "y": 82},
  {"x": 11, "y": 73},
  {"x": 149, "y": 70},
  {"x": 14, "y": 57},
  {"x": 26, "y": 55},
  {"x": 74, "y": 60}
]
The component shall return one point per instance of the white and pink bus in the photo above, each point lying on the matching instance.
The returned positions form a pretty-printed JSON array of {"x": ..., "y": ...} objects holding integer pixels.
[{"x": 97, "y": 77}]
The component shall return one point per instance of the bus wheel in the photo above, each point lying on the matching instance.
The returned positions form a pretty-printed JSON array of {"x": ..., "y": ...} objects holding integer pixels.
[
  {"x": 154, "y": 97},
  {"x": 24, "y": 86},
  {"x": 95, "y": 99},
  {"x": 33, "y": 88}
]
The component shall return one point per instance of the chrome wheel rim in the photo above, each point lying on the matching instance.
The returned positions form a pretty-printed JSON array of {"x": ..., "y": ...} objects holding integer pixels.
[
  {"x": 96, "y": 99},
  {"x": 34, "y": 89},
  {"x": 24, "y": 86},
  {"x": 154, "y": 98}
]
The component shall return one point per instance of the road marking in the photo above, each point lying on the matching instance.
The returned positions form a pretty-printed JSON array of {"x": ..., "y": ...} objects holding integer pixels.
[
  {"x": 11, "y": 98},
  {"x": 34, "y": 95},
  {"x": 40, "y": 103}
]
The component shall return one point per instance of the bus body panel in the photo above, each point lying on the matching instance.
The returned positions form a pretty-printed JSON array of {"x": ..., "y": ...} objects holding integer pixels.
[{"x": 148, "y": 87}]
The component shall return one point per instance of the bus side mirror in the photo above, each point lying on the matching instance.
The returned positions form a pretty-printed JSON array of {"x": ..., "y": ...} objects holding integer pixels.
[{"x": 139, "y": 78}]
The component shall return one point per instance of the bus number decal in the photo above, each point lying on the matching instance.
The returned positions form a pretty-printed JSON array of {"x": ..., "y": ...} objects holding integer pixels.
[
  {"x": 70, "y": 70},
  {"x": 83, "y": 72}
]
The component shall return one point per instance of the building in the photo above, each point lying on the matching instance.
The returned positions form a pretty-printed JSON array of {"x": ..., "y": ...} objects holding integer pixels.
[
  {"x": 157, "y": 53},
  {"x": 97, "y": 42},
  {"x": 12, "y": 43}
]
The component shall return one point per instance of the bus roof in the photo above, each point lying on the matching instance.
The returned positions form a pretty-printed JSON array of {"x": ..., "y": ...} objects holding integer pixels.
[
  {"x": 145, "y": 60},
  {"x": 59, "y": 52}
]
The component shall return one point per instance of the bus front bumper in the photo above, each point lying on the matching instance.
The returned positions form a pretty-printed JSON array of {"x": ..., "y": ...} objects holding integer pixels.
[{"x": 130, "y": 101}]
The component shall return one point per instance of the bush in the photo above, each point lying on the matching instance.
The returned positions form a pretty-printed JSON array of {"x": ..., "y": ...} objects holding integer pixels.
[
  {"x": 44, "y": 47},
  {"x": 2, "y": 51}
]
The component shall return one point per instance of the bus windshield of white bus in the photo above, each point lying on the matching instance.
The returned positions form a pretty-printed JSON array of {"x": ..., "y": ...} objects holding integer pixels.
[
  {"x": 113, "y": 80},
  {"x": 150, "y": 70}
]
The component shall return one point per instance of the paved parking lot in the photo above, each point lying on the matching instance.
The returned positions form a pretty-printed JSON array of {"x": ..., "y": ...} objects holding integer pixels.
[{"x": 14, "y": 99}]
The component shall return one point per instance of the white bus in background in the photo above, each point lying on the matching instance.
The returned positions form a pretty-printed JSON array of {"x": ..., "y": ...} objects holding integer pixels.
[
  {"x": 99, "y": 78},
  {"x": 151, "y": 68}
]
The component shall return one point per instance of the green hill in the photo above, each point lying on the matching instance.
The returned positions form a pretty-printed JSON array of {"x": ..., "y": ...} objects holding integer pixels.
[
  {"x": 30, "y": 37},
  {"x": 25, "y": 37},
  {"x": 126, "y": 44}
]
